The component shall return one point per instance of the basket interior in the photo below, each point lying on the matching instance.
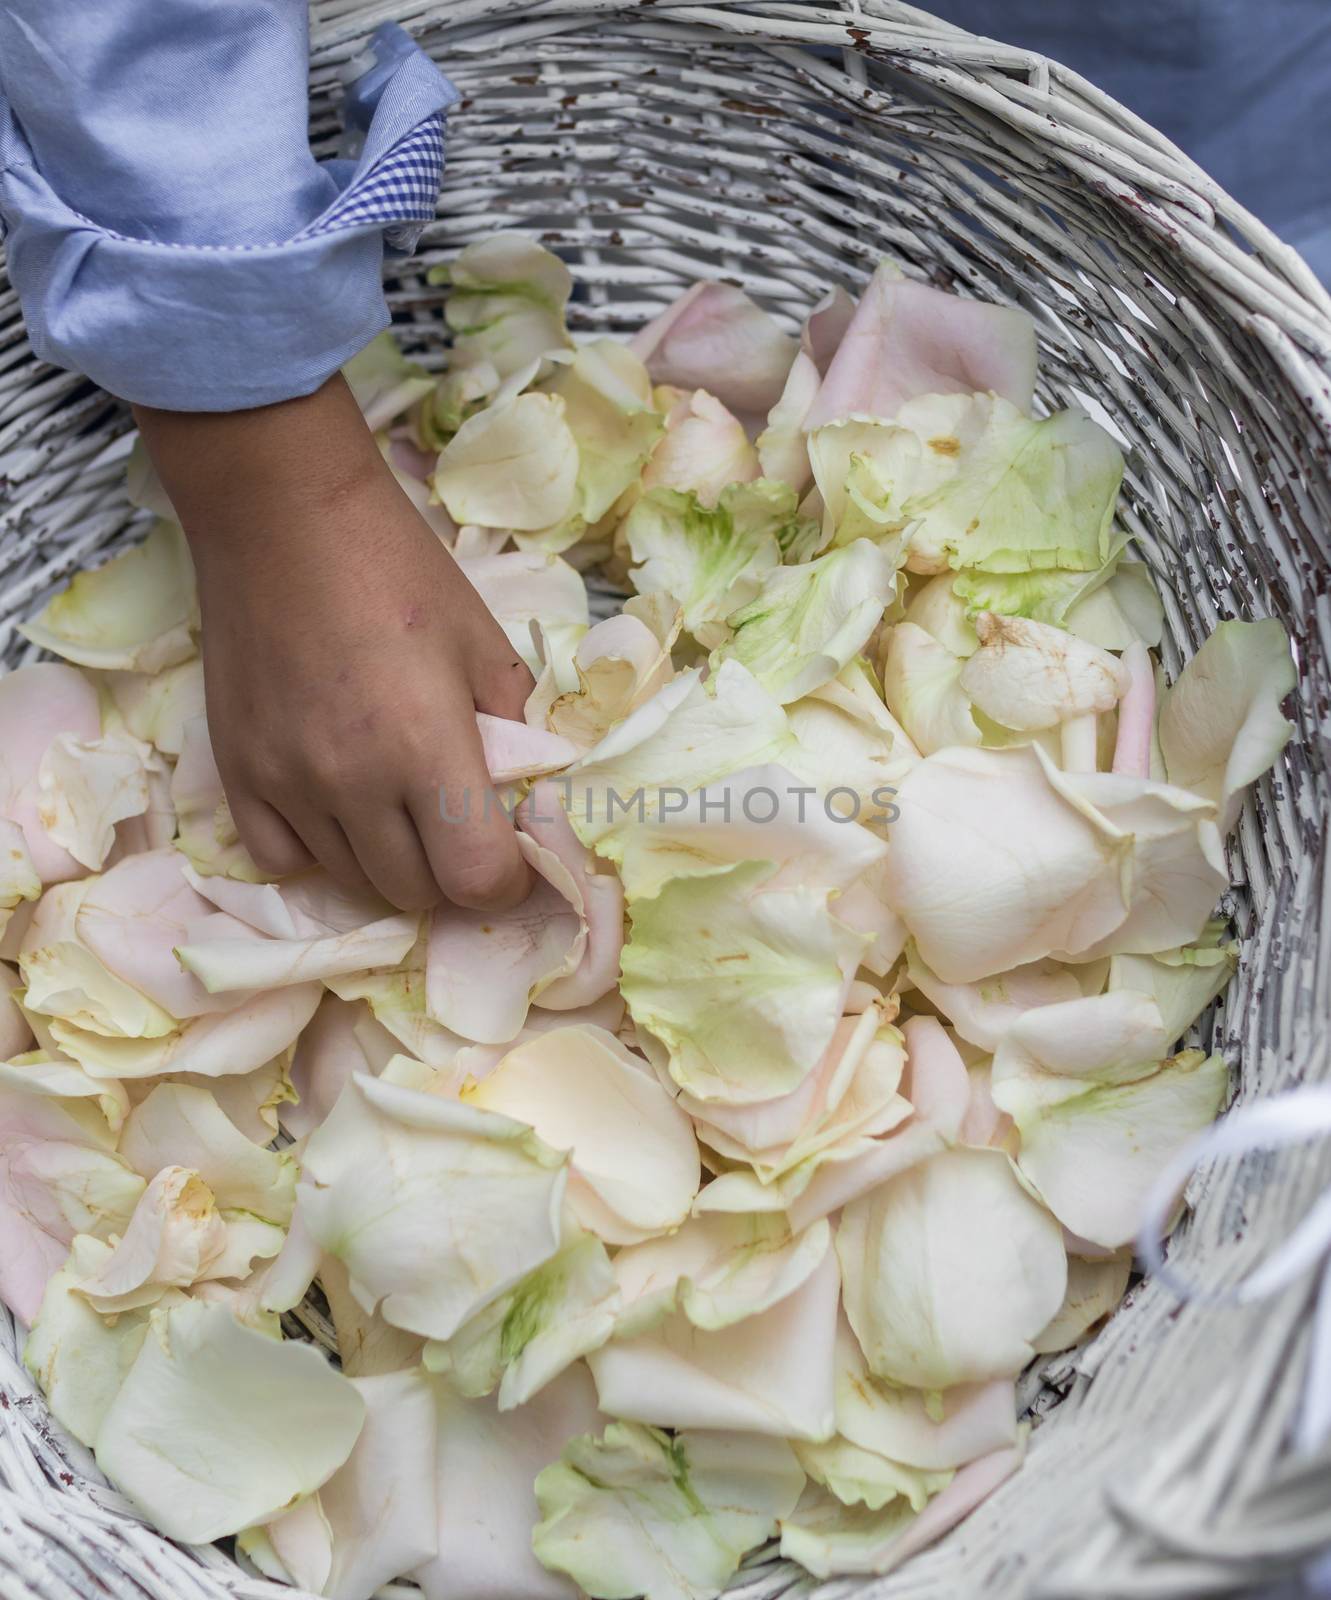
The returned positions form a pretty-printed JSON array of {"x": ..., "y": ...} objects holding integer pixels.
[{"x": 651, "y": 146}]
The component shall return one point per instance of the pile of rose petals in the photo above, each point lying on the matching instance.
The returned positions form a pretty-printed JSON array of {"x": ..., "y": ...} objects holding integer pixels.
[{"x": 721, "y": 1191}]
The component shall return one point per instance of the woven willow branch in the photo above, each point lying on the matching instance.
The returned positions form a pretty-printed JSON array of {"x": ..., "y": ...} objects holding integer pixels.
[{"x": 788, "y": 146}]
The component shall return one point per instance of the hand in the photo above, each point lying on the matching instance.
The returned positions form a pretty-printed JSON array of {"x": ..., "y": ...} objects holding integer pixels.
[{"x": 345, "y": 655}]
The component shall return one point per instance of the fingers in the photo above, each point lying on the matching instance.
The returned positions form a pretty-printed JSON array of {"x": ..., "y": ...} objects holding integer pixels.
[
  {"x": 391, "y": 854},
  {"x": 272, "y": 843},
  {"x": 324, "y": 838},
  {"x": 504, "y": 686},
  {"x": 467, "y": 835}
]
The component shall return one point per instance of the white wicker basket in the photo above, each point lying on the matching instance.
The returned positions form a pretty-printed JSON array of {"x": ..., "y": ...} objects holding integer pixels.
[{"x": 787, "y": 145}]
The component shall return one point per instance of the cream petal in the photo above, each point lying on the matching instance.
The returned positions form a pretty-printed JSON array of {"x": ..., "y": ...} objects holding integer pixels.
[{"x": 633, "y": 1153}]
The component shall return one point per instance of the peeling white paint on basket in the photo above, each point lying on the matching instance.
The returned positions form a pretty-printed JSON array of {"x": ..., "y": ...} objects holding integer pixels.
[{"x": 787, "y": 145}]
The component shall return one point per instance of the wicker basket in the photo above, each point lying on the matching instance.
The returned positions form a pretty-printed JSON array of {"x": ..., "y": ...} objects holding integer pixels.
[{"x": 786, "y": 145}]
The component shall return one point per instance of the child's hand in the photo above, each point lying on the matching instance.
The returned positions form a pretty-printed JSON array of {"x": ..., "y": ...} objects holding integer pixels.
[{"x": 345, "y": 655}]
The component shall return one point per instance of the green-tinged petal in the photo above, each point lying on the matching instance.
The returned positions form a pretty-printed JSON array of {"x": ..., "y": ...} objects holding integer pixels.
[
  {"x": 135, "y": 614},
  {"x": 607, "y": 399},
  {"x": 861, "y": 1477},
  {"x": 436, "y": 1208},
  {"x": 1220, "y": 724},
  {"x": 1182, "y": 982},
  {"x": 1046, "y": 594},
  {"x": 193, "y": 1436},
  {"x": 808, "y": 621},
  {"x": 526, "y": 1338},
  {"x": 689, "y": 734},
  {"x": 79, "y": 1356},
  {"x": 762, "y": 813},
  {"x": 513, "y": 465},
  {"x": 922, "y": 684},
  {"x": 1033, "y": 495},
  {"x": 640, "y": 1513},
  {"x": 742, "y": 982},
  {"x": 505, "y": 304},
  {"x": 710, "y": 561},
  {"x": 830, "y": 1539},
  {"x": 384, "y": 383},
  {"x": 1124, "y": 609},
  {"x": 1092, "y": 1146}
]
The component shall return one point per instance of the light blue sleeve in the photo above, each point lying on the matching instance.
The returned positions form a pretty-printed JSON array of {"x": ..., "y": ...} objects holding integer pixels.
[{"x": 168, "y": 230}]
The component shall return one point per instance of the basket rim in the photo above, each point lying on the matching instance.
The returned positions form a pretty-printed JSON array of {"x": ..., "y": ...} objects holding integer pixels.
[{"x": 1160, "y": 190}]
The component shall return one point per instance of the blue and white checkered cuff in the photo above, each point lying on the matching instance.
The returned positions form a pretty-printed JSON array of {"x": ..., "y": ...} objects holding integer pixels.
[{"x": 398, "y": 192}]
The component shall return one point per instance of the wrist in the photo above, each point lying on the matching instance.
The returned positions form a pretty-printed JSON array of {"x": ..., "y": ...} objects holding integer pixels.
[{"x": 245, "y": 479}]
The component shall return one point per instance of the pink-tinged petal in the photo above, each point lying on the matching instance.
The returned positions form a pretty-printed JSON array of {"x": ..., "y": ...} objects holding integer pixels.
[
  {"x": 37, "y": 704},
  {"x": 520, "y": 587},
  {"x": 973, "y": 1484},
  {"x": 704, "y": 450},
  {"x": 476, "y": 1062},
  {"x": 133, "y": 917},
  {"x": 984, "y": 1124},
  {"x": 513, "y": 750},
  {"x": 407, "y": 459},
  {"x": 260, "y": 905},
  {"x": 560, "y": 948},
  {"x": 714, "y": 337},
  {"x": 635, "y": 1165},
  {"x": 782, "y": 446},
  {"x": 482, "y": 968},
  {"x": 907, "y": 339},
  {"x": 936, "y": 1081},
  {"x": 863, "y": 906},
  {"x": 226, "y": 956},
  {"x": 839, "y": 1182},
  {"x": 597, "y": 896},
  {"x": 329, "y": 1051},
  {"x": 376, "y": 1517},
  {"x": 770, "y": 1373},
  {"x": 1136, "y": 715},
  {"x": 487, "y": 1465},
  {"x": 59, "y": 1176},
  {"x": 218, "y": 1045}
]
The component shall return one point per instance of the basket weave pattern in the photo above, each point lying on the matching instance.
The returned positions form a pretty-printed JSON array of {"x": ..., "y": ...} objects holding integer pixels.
[{"x": 786, "y": 146}]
